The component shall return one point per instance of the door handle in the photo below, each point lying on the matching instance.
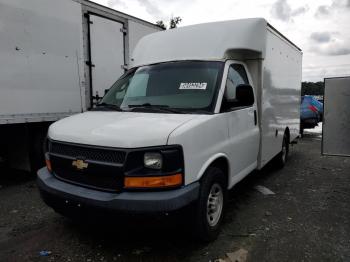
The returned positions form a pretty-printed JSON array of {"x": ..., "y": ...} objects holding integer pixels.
[{"x": 255, "y": 118}]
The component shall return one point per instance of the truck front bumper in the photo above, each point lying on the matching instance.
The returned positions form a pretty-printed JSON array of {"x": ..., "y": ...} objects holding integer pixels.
[{"x": 62, "y": 195}]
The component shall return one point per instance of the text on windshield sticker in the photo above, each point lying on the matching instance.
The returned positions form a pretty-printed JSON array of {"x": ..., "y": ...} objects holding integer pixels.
[{"x": 199, "y": 86}]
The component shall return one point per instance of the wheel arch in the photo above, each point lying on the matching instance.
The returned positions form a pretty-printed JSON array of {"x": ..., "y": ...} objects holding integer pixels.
[{"x": 219, "y": 160}]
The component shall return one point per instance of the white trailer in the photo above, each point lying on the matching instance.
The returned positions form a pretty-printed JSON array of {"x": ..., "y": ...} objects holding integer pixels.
[
  {"x": 336, "y": 113},
  {"x": 58, "y": 58},
  {"x": 201, "y": 107}
]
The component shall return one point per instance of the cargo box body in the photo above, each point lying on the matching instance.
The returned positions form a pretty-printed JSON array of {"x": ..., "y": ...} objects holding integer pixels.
[
  {"x": 279, "y": 93},
  {"x": 58, "y": 58},
  {"x": 59, "y": 55}
]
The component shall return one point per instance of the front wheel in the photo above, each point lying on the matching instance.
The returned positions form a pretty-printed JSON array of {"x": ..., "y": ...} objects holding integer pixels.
[
  {"x": 210, "y": 206},
  {"x": 282, "y": 157}
]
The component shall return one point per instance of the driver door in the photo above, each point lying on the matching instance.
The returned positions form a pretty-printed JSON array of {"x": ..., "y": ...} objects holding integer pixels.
[{"x": 239, "y": 106}]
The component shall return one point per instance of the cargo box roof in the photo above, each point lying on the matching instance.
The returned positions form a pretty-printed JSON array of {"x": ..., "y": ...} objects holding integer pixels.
[{"x": 235, "y": 39}]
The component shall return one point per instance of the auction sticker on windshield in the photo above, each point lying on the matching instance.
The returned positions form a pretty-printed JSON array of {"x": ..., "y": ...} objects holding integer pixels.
[{"x": 200, "y": 86}]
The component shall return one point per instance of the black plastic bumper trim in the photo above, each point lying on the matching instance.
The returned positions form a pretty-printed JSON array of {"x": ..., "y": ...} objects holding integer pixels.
[{"x": 56, "y": 192}]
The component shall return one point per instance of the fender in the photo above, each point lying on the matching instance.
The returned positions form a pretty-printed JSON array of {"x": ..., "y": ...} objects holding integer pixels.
[{"x": 210, "y": 161}]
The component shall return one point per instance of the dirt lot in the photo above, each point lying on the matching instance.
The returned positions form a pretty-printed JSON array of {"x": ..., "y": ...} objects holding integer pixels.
[{"x": 306, "y": 220}]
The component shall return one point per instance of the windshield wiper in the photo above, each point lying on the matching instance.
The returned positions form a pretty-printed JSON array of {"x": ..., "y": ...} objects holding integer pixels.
[
  {"x": 198, "y": 111},
  {"x": 109, "y": 106},
  {"x": 165, "y": 108}
]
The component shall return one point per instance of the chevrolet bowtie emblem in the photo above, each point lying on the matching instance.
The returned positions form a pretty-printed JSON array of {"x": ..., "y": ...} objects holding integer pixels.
[{"x": 80, "y": 164}]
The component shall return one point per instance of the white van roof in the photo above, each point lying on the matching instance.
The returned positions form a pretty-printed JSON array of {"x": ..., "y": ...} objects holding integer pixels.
[
  {"x": 209, "y": 41},
  {"x": 234, "y": 39}
]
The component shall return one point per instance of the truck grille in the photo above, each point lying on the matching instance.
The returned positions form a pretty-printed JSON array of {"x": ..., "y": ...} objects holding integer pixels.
[
  {"x": 104, "y": 169},
  {"x": 90, "y": 153}
]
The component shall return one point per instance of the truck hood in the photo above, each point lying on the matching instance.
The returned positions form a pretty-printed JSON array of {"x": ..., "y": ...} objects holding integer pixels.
[{"x": 117, "y": 129}]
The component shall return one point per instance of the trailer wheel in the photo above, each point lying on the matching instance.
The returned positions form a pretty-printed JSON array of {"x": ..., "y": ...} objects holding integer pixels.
[
  {"x": 282, "y": 157},
  {"x": 36, "y": 149},
  {"x": 210, "y": 206}
]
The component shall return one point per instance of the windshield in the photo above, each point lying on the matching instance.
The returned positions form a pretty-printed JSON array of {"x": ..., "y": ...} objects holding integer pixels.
[{"x": 186, "y": 86}]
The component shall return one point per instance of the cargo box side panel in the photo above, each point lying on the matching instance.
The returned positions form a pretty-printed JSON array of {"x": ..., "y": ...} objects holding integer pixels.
[
  {"x": 336, "y": 121},
  {"x": 136, "y": 32},
  {"x": 41, "y": 54},
  {"x": 280, "y": 95}
]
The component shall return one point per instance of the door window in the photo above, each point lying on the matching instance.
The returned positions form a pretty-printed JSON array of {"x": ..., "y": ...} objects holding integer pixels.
[{"x": 236, "y": 76}]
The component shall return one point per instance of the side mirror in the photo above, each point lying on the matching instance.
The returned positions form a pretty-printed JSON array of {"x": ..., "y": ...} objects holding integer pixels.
[{"x": 244, "y": 95}]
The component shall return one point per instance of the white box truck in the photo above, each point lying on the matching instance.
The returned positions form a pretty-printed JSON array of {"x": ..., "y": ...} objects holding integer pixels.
[
  {"x": 201, "y": 107},
  {"x": 58, "y": 58}
]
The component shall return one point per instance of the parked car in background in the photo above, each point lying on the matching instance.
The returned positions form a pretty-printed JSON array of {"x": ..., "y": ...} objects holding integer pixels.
[{"x": 311, "y": 112}]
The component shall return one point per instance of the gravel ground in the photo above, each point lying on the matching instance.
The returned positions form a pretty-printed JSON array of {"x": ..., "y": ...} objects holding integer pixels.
[{"x": 306, "y": 220}]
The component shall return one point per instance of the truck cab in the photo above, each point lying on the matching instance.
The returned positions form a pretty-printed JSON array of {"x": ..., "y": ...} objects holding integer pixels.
[{"x": 168, "y": 134}]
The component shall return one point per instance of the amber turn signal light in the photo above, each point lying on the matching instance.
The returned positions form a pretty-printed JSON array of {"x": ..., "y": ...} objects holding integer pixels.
[
  {"x": 153, "y": 182},
  {"x": 48, "y": 163}
]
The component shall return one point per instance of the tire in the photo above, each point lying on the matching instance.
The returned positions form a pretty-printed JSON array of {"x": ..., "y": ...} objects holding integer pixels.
[
  {"x": 282, "y": 157},
  {"x": 208, "y": 217}
]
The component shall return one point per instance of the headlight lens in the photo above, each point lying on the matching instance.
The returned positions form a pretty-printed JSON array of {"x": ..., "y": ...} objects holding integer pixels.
[{"x": 153, "y": 160}]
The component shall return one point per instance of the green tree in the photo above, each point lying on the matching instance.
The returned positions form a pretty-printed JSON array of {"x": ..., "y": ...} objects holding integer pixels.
[
  {"x": 161, "y": 24},
  {"x": 173, "y": 23},
  {"x": 312, "y": 88}
]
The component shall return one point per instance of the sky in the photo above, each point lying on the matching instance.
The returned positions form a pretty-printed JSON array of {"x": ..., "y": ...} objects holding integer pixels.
[{"x": 321, "y": 28}]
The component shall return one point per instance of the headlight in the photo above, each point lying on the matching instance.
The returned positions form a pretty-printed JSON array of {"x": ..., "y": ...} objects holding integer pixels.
[{"x": 153, "y": 160}]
